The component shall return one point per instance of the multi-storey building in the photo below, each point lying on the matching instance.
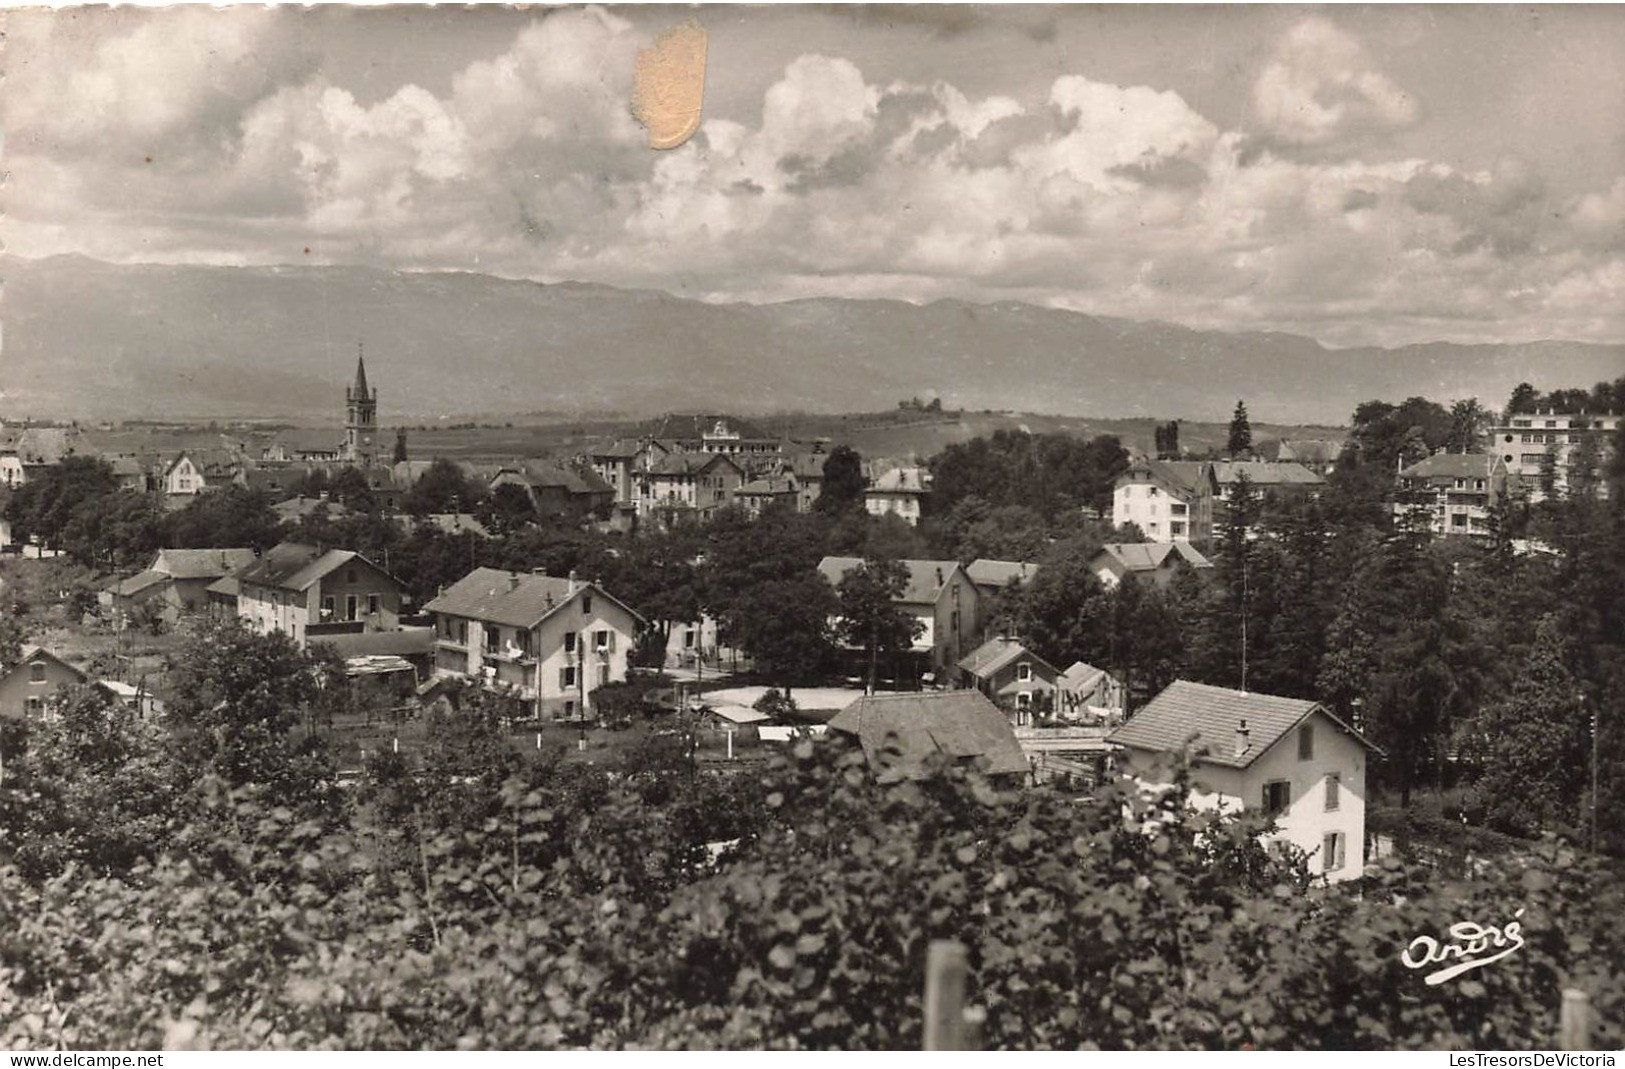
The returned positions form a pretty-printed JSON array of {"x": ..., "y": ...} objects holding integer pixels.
[
  {"x": 551, "y": 641},
  {"x": 1523, "y": 441},
  {"x": 1170, "y": 501},
  {"x": 1457, "y": 490},
  {"x": 305, "y": 591}
]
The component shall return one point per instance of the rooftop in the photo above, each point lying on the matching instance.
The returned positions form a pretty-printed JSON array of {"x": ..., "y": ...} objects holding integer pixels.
[
  {"x": 925, "y": 577},
  {"x": 960, "y": 724},
  {"x": 515, "y": 599},
  {"x": 999, "y": 573},
  {"x": 996, "y": 653},
  {"x": 201, "y": 563},
  {"x": 1209, "y": 718}
]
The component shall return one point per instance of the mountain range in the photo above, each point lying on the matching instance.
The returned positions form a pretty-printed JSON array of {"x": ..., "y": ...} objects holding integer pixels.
[{"x": 89, "y": 339}]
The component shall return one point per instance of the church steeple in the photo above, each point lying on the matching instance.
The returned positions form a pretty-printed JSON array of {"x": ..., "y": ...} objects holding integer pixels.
[{"x": 360, "y": 415}]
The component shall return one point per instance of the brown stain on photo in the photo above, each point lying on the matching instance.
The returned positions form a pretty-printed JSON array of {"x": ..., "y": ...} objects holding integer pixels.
[{"x": 669, "y": 85}]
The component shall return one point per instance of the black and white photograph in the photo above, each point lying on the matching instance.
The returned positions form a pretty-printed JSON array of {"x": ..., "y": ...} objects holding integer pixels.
[{"x": 918, "y": 527}]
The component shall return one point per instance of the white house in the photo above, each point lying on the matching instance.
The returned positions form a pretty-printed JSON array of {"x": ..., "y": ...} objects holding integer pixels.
[
  {"x": 1171, "y": 501},
  {"x": 183, "y": 476},
  {"x": 552, "y": 641},
  {"x": 1288, "y": 757},
  {"x": 898, "y": 492}
]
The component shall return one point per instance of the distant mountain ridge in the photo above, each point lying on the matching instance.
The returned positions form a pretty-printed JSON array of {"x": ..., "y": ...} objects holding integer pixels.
[{"x": 89, "y": 339}]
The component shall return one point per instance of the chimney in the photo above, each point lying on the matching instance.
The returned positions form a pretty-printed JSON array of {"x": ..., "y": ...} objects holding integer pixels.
[
  {"x": 939, "y": 575},
  {"x": 513, "y": 582},
  {"x": 573, "y": 580},
  {"x": 1241, "y": 738}
]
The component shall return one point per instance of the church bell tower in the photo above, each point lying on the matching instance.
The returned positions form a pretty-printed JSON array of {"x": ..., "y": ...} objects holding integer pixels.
[{"x": 360, "y": 417}]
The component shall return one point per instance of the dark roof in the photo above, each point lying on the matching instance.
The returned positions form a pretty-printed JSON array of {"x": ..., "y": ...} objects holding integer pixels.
[
  {"x": 692, "y": 427},
  {"x": 296, "y": 565},
  {"x": 999, "y": 573},
  {"x": 1452, "y": 466},
  {"x": 804, "y": 466},
  {"x": 201, "y": 563},
  {"x": 361, "y": 376},
  {"x": 961, "y": 724},
  {"x": 1265, "y": 473},
  {"x": 1186, "y": 475},
  {"x": 689, "y": 463},
  {"x": 302, "y": 440},
  {"x": 517, "y": 599},
  {"x": 43, "y": 445},
  {"x": 1208, "y": 718},
  {"x": 996, "y": 653},
  {"x": 1149, "y": 556},
  {"x": 34, "y": 653},
  {"x": 926, "y": 578},
  {"x": 405, "y": 642},
  {"x": 138, "y": 583},
  {"x": 767, "y": 487}
]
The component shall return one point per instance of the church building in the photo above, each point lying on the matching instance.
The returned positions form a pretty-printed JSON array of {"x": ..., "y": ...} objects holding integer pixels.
[{"x": 360, "y": 419}]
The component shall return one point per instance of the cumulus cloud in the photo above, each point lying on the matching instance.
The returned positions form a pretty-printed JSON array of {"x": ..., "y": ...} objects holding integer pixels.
[
  {"x": 1321, "y": 89},
  {"x": 1108, "y": 198}
]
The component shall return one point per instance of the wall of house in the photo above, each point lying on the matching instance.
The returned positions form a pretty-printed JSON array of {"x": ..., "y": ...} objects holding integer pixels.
[
  {"x": 956, "y": 622},
  {"x": 17, "y": 687},
  {"x": 594, "y": 664},
  {"x": 1163, "y": 514},
  {"x": 1306, "y": 821},
  {"x": 266, "y": 609},
  {"x": 359, "y": 579},
  {"x": 184, "y": 478},
  {"x": 882, "y": 503},
  {"x": 536, "y": 671}
]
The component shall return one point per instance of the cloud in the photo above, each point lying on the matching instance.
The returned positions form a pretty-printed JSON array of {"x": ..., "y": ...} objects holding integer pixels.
[
  {"x": 1119, "y": 199},
  {"x": 1320, "y": 89}
]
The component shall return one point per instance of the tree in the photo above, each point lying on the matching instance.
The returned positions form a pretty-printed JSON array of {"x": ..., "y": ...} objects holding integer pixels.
[
  {"x": 1240, "y": 440},
  {"x": 1524, "y": 400},
  {"x": 1468, "y": 420},
  {"x": 228, "y": 517},
  {"x": 1532, "y": 743},
  {"x": 843, "y": 485},
  {"x": 236, "y": 701},
  {"x": 44, "y": 506},
  {"x": 399, "y": 456},
  {"x": 442, "y": 488},
  {"x": 870, "y": 617},
  {"x": 784, "y": 627},
  {"x": 1167, "y": 440}
]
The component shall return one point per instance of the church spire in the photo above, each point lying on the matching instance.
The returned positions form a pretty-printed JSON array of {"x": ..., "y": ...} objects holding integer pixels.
[{"x": 361, "y": 369}]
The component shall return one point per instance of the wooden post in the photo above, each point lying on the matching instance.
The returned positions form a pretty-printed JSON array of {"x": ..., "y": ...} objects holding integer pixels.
[
  {"x": 945, "y": 968},
  {"x": 1574, "y": 1022}
]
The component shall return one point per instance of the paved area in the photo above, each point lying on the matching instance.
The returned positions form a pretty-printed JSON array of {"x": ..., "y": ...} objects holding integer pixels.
[{"x": 832, "y": 699}]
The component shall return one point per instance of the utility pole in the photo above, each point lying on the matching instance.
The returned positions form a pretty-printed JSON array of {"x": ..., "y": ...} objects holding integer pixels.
[{"x": 1594, "y": 725}]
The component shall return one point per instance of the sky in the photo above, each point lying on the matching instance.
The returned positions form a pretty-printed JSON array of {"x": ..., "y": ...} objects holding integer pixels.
[{"x": 1361, "y": 174}]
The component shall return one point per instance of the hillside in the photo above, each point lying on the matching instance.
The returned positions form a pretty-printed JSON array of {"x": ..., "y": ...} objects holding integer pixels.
[{"x": 84, "y": 338}]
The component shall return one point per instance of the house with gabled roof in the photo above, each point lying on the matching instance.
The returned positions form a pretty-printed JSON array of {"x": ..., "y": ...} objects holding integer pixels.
[
  {"x": 1456, "y": 491},
  {"x": 191, "y": 571},
  {"x": 305, "y": 591},
  {"x": 556, "y": 488},
  {"x": 762, "y": 493},
  {"x": 898, "y": 491},
  {"x": 725, "y": 435},
  {"x": 941, "y": 597},
  {"x": 550, "y": 641},
  {"x": 1281, "y": 480},
  {"x": 1290, "y": 758},
  {"x": 1319, "y": 455},
  {"x": 674, "y": 484},
  {"x": 28, "y": 687},
  {"x": 998, "y": 576},
  {"x": 903, "y": 734},
  {"x": 1086, "y": 693},
  {"x": 1168, "y": 500},
  {"x": 1014, "y": 678},
  {"x": 1151, "y": 563}
]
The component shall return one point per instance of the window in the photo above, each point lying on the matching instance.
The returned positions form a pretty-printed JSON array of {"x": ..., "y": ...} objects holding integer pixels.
[
  {"x": 493, "y": 637},
  {"x": 34, "y": 706},
  {"x": 586, "y": 604},
  {"x": 569, "y": 642},
  {"x": 1024, "y": 671},
  {"x": 1331, "y": 851},
  {"x": 569, "y": 710},
  {"x": 1520, "y": 423},
  {"x": 349, "y": 606},
  {"x": 328, "y": 606},
  {"x": 36, "y": 673},
  {"x": 688, "y": 639},
  {"x": 567, "y": 676},
  {"x": 462, "y": 633},
  {"x": 603, "y": 675},
  {"x": 373, "y": 604},
  {"x": 1306, "y": 743},
  {"x": 1334, "y": 786},
  {"x": 1458, "y": 519},
  {"x": 601, "y": 641},
  {"x": 1277, "y": 796},
  {"x": 1551, "y": 423}
]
